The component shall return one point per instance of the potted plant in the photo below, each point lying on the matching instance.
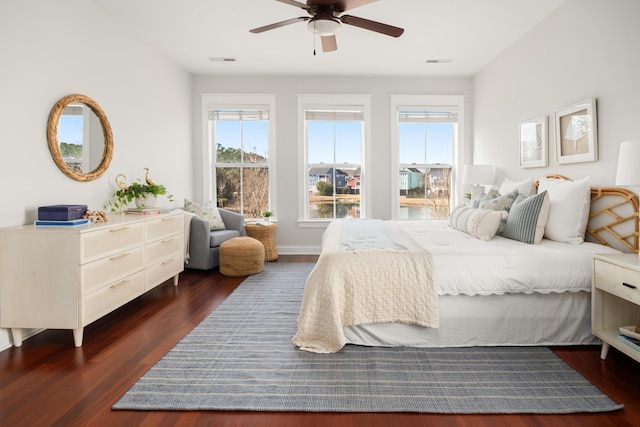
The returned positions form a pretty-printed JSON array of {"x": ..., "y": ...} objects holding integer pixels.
[
  {"x": 267, "y": 215},
  {"x": 143, "y": 194}
]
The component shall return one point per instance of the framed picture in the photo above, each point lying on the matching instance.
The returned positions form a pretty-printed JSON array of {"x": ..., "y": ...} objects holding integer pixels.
[
  {"x": 576, "y": 133},
  {"x": 533, "y": 143}
]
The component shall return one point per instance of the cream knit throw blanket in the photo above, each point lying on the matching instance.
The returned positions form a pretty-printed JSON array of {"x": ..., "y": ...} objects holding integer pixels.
[{"x": 364, "y": 280}]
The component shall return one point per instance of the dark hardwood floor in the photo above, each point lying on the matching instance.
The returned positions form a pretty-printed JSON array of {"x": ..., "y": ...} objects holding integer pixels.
[{"x": 50, "y": 382}]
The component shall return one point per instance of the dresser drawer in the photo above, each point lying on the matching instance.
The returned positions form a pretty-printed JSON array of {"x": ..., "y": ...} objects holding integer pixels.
[
  {"x": 162, "y": 271},
  {"x": 162, "y": 249},
  {"x": 112, "y": 296},
  {"x": 164, "y": 226},
  {"x": 107, "y": 270},
  {"x": 110, "y": 241},
  {"x": 616, "y": 280}
]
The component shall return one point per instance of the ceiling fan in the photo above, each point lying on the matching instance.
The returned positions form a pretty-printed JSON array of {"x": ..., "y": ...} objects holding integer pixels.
[{"x": 325, "y": 19}]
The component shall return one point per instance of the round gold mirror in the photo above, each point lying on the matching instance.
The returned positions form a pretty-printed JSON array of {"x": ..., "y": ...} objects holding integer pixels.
[{"x": 79, "y": 137}]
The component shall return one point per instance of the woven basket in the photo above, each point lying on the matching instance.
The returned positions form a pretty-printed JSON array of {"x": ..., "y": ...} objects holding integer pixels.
[
  {"x": 265, "y": 233},
  {"x": 241, "y": 256}
]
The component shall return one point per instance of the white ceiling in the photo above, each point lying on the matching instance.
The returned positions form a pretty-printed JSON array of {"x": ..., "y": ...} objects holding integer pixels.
[{"x": 470, "y": 32}]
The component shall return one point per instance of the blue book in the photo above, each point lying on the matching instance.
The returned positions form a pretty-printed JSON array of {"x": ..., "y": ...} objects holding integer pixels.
[
  {"x": 633, "y": 342},
  {"x": 70, "y": 223}
]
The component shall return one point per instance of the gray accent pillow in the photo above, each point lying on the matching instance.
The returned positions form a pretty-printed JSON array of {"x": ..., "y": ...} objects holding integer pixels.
[{"x": 527, "y": 219}]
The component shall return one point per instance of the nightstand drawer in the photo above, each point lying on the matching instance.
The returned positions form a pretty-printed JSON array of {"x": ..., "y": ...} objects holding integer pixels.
[{"x": 619, "y": 281}]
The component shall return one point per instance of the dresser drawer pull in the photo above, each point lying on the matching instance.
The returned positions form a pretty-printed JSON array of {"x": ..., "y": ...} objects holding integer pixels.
[
  {"x": 168, "y": 261},
  {"x": 120, "y": 283},
  {"x": 628, "y": 285},
  {"x": 167, "y": 240},
  {"x": 169, "y": 219},
  {"x": 113, "y": 258},
  {"x": 115, "y": 230}
]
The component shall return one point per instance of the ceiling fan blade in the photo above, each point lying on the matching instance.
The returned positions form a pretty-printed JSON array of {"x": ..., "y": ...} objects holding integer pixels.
[
  {"x": 295, "y": 3},
  {"x": 344, "y": 5},
  {"x": 278, "y": 24},
  {"x": 329, "y": 43},
  {"x": 378, "y": 27}
]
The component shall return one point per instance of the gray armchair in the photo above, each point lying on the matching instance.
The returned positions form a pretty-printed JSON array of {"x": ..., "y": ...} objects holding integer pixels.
[{"x": 204, "y": 244}]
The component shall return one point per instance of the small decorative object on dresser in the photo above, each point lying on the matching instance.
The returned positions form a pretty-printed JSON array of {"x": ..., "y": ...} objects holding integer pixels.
[
  {"x": 102, "y": 266},
  {"x": 615, "y": 300},
  {"x": 143, "y": 194}
]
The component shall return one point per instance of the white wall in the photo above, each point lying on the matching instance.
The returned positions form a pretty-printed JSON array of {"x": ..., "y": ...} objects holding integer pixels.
[
  {"x": 585, "y": 49},
  {"x": 290, "y": 238},
  {"x": 51, "y": 49}
]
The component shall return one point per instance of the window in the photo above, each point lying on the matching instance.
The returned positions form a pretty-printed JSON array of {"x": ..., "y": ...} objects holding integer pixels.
[
  {"x": 239, "y": 140},
  {"x": 425, "y": 145},
  {"x": 333, "y": 170}
]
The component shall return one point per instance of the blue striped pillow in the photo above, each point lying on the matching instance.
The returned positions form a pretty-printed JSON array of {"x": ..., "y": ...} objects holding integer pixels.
[{"x": 526, "y": 217}]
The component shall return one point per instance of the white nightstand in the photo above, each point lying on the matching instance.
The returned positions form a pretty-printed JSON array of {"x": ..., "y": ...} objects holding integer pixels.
[{"x": 615, "y": 299}]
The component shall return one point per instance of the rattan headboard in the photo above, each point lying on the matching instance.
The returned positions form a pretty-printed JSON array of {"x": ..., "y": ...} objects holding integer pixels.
[{"x": 613, "y": 218}]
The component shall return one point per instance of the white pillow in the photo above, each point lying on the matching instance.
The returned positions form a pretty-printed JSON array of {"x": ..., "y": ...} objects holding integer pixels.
[
  {"x": 207, "y": 212},
  {"x": 481, "y": 224},
  {"x": 524, "y": 187},
  {"x": 570, "y": 202}
]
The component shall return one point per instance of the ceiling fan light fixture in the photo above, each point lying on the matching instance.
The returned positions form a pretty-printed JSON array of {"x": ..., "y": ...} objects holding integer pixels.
[{"x": 324, "y": 26}]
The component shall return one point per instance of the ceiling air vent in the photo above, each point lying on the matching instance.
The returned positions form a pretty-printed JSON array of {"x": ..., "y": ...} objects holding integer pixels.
[{"x": 222, "y": 59}]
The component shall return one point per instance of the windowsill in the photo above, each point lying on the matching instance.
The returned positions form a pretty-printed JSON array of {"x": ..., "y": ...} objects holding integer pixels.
[{"x": 305, "y": 223}]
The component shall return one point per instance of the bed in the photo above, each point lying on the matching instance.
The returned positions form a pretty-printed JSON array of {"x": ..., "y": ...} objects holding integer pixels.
[{"x": 368, "y": 286}]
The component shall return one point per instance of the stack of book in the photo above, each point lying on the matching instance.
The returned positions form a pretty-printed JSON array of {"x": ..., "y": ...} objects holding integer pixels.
[
  {"x": 630, "y": 336},
  {"x": 61, "y": 216},
  {"x": 146, "y": 211},
  {"x": 68, "y": 223}
]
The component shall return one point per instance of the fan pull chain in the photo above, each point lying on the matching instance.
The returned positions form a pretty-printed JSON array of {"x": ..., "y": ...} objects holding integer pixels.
[{"x": 314, "y": 38}]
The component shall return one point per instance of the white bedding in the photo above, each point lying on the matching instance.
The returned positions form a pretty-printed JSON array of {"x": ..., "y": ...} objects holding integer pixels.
[
  {"x": 468, "y": 266},
  {"x": 497, "y": 292}
]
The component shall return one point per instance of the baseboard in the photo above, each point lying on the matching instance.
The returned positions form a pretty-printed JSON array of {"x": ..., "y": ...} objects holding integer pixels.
[
  {"x": 298, "y": 250},
  {"x": 4, "y": 339},
  {"x": 7, "y": 342}
]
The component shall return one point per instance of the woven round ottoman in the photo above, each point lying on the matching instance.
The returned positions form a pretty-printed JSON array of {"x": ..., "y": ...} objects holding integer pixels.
[{"x": 241, "y": 256}]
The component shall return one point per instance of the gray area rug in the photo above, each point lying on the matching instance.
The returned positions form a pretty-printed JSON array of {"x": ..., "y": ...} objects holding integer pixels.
[{"x": 241, "y": 358}]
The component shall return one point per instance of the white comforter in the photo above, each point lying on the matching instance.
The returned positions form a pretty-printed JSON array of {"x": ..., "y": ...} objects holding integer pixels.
[
  {"x": 462, "y": 265},
  {"x": 465, "y": 265}
]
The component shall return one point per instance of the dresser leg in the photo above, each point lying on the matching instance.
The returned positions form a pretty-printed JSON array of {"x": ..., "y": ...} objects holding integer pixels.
[
  {"x": 16, "y": 333},
  {"x": 175, "y": 279},
  {"x": 604, "y": 351},
  {"x": 77, "y": 336}
]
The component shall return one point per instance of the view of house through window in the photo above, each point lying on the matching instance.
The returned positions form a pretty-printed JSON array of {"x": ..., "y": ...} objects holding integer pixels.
[
  {"x": 241, "y": 139},
  {"x": 426, "y": 138},
  {"x": 334, "y": 139}
]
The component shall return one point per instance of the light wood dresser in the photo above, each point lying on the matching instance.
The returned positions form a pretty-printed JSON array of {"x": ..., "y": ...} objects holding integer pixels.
[{"x": 68, "y": 277}]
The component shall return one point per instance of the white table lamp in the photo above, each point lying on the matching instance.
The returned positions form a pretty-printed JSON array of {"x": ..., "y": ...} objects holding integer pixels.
[
  {"x": 628, "y": 174},
  {"x": 477, "y": 176}
]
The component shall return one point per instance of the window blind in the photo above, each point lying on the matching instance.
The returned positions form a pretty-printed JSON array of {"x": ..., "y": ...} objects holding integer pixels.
[
  {"x": 334, "y": 115},
  {"x": 431, "y": 115},
  {"x": 239, "y": 115}
]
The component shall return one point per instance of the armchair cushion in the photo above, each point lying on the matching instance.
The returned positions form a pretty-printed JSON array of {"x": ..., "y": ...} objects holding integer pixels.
[{"x": 208, "y": 212}]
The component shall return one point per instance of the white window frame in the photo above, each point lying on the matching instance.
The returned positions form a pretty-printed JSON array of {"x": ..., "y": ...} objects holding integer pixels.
[
  {"x": 328, "y": 101},
  {"x": 213, "y": 101},
  {"x": 399, "y": 102}
]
